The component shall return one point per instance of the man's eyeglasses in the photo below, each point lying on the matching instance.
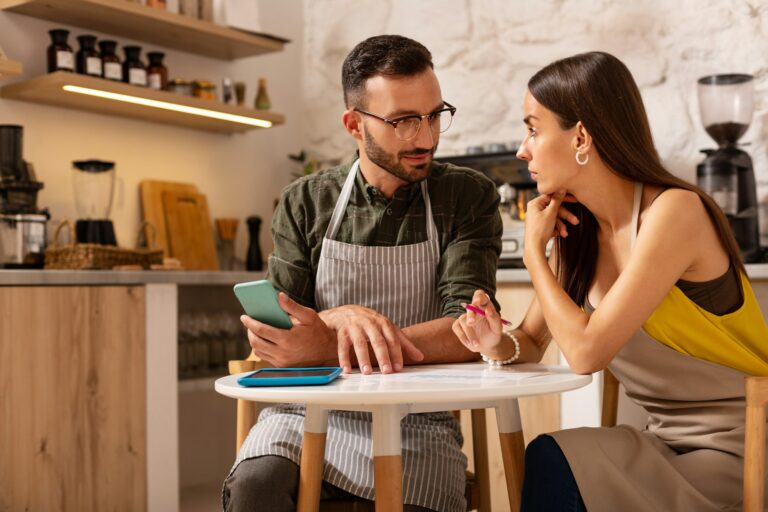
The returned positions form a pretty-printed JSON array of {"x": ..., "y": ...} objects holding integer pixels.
[{"x": 407, "y": 127}]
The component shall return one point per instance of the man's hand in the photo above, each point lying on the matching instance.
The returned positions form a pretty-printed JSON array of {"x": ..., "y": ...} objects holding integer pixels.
[
  {"x": 310, "y": 342},
  {"x": 358, "y": 327}
]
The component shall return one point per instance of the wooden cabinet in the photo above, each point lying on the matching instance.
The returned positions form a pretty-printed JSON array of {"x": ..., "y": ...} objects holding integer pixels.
[{"x": 73, "y": 399}]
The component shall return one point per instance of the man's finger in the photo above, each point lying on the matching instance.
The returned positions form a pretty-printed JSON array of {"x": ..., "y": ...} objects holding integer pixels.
[
  {"x": 343, "y": 347},
  {"x": 303, "y": 314},
  {"x": 360, "y": 344},
  {"x": 409, "y": 348},
  {"x": 380, "y": 348},
  {"x": 395, "y": 350},
  {"x": 260, "y": 346},
  {"x": 263, "y": 330}
]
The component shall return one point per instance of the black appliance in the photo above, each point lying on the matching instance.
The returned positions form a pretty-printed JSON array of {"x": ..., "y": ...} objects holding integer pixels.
[
  {"x": 22, "y": 224},
  {"x": 726, "y": 173}
]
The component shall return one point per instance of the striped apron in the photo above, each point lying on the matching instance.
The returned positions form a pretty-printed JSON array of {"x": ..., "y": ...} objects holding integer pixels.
[{"x": 400, "y": 283}]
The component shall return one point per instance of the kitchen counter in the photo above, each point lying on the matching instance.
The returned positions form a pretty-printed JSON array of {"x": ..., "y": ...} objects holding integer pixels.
[
  {"x": 756, "y": 272},
  {"x": 107, "y": 277}
]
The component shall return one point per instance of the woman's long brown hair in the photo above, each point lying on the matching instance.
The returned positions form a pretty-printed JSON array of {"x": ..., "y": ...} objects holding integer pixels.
[{"x": 597, "y": 89}]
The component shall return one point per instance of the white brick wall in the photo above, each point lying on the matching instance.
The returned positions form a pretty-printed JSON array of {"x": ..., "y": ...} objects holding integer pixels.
[{"x": 486, "y": 50}]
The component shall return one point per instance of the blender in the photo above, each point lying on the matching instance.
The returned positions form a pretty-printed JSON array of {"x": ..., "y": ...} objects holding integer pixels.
[
  {"x": 726, "y": 173},
  {"x": 94, "y": 183}
]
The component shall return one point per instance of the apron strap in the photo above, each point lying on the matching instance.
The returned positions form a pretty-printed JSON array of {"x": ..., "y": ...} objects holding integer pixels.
[
  {"x": 341, "y": 204},
  {"x": 431, "y": 228},
  {"x": 635, "y": 213},
  {"x": 346, "y": 192}
]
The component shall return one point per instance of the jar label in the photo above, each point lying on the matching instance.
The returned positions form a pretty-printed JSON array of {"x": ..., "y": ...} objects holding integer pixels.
[
  {"x": 137, "y": 76},
  {"x": 113, "y": 71},
  {"x": 156, "y": 81},
  {"x": 93, "y": 66},
  {"x": 65, "y": 60}
]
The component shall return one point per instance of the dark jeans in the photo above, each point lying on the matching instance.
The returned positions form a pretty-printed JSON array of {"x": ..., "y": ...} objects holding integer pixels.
[
  {"x": 549, "y": 484},
  {"x": 271, "y": 484}
]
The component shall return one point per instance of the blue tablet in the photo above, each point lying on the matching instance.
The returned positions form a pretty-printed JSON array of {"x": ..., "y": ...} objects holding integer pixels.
[{"x": 290, "y": 376}]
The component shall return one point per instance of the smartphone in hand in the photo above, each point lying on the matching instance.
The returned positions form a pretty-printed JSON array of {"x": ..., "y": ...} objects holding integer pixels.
[{"x": 259, "y": 300}]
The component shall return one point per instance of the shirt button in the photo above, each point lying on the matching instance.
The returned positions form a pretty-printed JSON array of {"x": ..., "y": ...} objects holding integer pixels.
[{"x": 389, "y": 211}]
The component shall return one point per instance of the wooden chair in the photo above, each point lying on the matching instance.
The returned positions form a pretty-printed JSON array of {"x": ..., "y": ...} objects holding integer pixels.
[
  {"x": 478, "y": 488},
  {"x": 754, "y": 437}
]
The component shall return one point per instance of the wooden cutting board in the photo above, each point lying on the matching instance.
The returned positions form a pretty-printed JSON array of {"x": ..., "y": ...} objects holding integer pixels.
[
  {"x": 151, "y": 193},
  {"x": 189, "y": 230}
]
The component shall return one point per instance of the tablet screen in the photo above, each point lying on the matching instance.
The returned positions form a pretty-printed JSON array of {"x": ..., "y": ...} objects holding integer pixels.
[{"x": 280, "y": 374}]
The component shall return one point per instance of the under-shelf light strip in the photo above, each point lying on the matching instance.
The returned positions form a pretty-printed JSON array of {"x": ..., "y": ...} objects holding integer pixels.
[{"x": 169, "y": 106}]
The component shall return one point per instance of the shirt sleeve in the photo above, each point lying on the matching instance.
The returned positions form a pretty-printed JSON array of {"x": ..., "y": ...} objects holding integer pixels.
[
  {"x": 290, "y": 266},
  {"x": 471, "y": 257}
]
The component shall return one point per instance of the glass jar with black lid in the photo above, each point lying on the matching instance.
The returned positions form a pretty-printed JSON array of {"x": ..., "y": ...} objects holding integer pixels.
[
  {"x": 157, "y": 73},
  {"x": 87, "y": 60},
  {"x": 134, "y": 70},
  {"x": 60, "y": 56},
  {"x": 111, "y": 66}
]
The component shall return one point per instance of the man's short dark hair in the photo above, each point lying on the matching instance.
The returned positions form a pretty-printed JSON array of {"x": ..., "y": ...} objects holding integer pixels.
[{"x": 387, "y": 55}]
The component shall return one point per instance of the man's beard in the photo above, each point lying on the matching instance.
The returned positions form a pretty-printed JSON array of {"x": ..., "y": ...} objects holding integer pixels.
[{"x": 392, "y": 163}]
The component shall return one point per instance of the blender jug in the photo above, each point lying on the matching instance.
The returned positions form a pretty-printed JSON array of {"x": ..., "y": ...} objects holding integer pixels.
[{"x": 94, "y": 185}]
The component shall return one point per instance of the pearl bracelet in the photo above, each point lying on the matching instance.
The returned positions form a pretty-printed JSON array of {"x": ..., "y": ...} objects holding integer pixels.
[{"x": 515, "y": 356}]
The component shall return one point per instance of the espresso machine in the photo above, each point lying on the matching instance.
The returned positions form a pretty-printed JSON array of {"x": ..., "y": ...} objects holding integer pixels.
[
  {"x": 22, "y": 224},
  {"x": 726, "y": 174},
  {"x": 499, "y": 162}
]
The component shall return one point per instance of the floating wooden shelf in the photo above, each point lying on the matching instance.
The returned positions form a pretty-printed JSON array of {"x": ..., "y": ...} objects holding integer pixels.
[
  {"x": 49, "y": 89},
  {"x": 135, "y": 21},
  {"x": 9, "y": 68}
]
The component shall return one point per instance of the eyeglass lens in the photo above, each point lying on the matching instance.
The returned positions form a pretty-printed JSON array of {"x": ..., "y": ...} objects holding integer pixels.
[{"x": 438, "y": 123}]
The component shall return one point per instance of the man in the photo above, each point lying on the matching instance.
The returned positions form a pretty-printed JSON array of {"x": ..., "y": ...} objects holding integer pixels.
[{"x": 386, "y": 249}]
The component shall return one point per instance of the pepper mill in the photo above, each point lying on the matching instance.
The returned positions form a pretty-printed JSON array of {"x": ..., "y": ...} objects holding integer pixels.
[{"x": 253, "y": 259}]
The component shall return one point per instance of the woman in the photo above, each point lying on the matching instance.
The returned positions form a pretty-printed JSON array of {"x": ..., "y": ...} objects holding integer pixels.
[{"x": 645, "y": 279}]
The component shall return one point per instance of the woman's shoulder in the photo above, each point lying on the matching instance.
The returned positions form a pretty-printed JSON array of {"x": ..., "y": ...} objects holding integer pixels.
[{"x": 674, "y": 204}]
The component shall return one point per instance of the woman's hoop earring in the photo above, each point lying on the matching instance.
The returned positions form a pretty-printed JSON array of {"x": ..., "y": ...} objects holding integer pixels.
[{"x": 584, "y": 162}]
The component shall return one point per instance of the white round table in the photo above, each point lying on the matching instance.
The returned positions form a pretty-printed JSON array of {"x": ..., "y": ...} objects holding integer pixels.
[{"x": 416, "y": 389}]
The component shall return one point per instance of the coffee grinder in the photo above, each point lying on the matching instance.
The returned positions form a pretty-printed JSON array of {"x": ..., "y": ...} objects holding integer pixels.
[
  {"x": 94, "y": 183},
  {"x": 726, "y": 174}
]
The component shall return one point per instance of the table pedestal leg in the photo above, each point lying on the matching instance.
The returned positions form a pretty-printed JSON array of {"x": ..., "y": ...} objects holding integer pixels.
[
  {"x": 387, "y": 459},
  {"x": 312, "y": 457},
  {"x": 512, "y": 449}
]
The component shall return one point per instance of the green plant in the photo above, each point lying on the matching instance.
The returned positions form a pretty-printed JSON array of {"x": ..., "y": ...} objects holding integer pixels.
[{"x": 308, "y": 164}]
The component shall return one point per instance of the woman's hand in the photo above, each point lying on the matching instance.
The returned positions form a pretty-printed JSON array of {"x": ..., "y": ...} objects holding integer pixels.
[
  {"x": 479, "y": 333},
  {"x": 545, "y": 218}
]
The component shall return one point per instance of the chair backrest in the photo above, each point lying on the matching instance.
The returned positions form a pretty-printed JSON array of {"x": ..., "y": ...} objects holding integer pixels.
[
  {"x": 754, "y": 444},
  {"x": 754, "y": 436},
  {"x": 478, "y": 491},
  {"x": 246, "y": 410}
]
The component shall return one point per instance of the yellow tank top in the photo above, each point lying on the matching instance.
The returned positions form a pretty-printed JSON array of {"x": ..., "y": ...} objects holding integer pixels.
[{"x": 738, "y": 340}]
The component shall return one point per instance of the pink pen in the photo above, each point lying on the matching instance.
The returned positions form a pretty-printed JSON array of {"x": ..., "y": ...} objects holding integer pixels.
[{"x": 480, "y": 312}]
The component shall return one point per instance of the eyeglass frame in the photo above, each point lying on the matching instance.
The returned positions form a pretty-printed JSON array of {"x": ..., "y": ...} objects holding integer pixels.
[{"x": 394, "y": 122}]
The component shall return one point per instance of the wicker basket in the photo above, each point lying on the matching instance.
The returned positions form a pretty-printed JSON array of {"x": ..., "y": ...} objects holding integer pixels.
[{"x": 77, "y": 256}]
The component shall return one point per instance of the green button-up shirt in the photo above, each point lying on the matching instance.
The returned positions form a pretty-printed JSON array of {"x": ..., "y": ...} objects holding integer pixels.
[{"x": 465, "y": 206}]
